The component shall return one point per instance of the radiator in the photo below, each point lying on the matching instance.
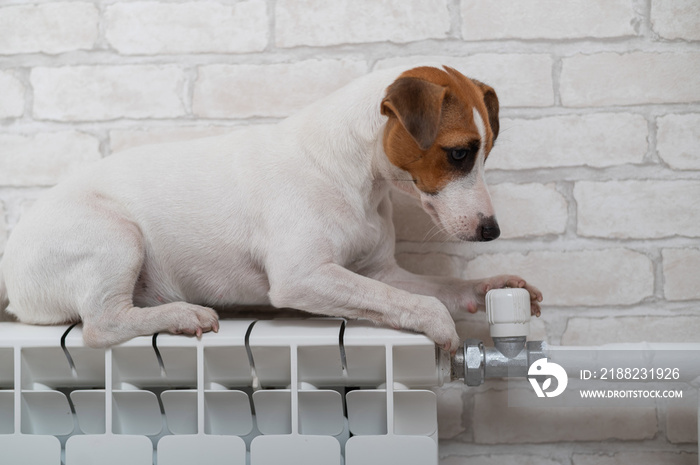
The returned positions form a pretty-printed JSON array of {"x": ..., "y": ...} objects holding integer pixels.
[{"x": 312, "y": 392}]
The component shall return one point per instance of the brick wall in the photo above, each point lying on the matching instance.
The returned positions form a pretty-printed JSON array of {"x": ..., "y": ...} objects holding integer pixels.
[{"x": 595, "y": 177}]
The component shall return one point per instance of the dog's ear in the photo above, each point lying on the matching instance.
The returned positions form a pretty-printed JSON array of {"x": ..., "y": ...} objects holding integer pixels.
[
  {"x": 418, "y": 105},
  {"x": 491, "y": 102}
]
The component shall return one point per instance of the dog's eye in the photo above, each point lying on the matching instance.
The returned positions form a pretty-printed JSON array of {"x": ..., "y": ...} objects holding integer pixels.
[
  {"x": 458, "y": 154},
  {"x": 463, "y": 158}
]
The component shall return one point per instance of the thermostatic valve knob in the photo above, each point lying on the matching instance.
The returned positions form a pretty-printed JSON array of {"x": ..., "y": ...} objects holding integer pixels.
[{"x": 508, "y": 312}]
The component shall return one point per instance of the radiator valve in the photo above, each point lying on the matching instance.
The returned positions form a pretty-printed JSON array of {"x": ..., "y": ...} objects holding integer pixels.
[{"x": 508, "y": 313}]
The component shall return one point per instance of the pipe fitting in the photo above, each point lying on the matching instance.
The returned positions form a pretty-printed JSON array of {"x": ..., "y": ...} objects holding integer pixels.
[
  {"x": 507, "y": 359},
  {"x": 474, "y": 362},
  {"x": 510, "y": 347}
]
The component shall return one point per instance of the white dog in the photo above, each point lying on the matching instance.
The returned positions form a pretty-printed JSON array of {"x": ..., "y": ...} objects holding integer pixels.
[{"x": 295, "y": 214}]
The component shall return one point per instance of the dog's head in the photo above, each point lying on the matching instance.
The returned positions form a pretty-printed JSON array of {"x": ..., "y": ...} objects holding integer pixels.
[{"x": 441, "y": 128}]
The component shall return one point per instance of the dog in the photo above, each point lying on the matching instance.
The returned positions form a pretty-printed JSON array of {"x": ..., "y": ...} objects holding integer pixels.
[{"x": 295, "y": 214}]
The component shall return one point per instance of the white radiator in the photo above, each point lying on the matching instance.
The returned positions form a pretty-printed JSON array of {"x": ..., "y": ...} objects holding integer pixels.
[{"x": 311, "y": 392}]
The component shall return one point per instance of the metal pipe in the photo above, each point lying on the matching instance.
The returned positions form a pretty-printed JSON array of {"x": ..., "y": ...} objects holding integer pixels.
[{"x": 682, "y": 359}]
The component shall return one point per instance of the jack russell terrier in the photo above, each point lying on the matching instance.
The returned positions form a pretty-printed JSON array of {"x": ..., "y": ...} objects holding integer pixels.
[{"x": 295, "y": 214}]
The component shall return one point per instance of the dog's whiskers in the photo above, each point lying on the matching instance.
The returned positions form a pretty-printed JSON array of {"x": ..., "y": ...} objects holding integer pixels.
[{"x": 434, "y": 231}]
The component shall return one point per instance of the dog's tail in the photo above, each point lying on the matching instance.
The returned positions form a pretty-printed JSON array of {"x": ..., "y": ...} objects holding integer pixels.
[{"x": 4, "y": 301}]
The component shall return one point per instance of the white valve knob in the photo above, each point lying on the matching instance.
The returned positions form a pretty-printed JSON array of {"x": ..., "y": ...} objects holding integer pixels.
[{"x": 508, "y": 312}]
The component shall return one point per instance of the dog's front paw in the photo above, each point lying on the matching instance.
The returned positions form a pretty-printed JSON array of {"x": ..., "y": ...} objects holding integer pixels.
[
  {"x": 497, "y": 282},
  {"x": 437, "y": 324},
  {"x": 448, "y": 340}
]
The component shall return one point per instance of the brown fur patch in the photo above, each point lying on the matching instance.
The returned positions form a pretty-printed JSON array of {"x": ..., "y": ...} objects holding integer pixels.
[{"x": 410, "y": 139}]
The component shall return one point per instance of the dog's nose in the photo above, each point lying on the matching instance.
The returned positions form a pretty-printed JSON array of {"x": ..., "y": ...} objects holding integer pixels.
[{"x": 488, "y": 229}]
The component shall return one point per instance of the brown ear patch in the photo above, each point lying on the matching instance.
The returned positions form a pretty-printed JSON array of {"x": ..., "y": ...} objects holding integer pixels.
[
  {"x": 488, "y": 96},
  {"x": 418, "y": 105},
  {"x": 492, "y": 107}
]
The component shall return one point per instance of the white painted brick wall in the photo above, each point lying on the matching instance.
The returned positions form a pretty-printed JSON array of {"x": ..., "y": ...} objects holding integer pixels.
[
  {"x": 233, "y": 91},
  {"x": 48, "y": 28},
  {"x": 681, "y": 268},
  {"x": 636, "y": 458},
  {"x": 597, "y": 331},
  {"x": 678, "y": 19},
  {"x": 136, "y": 28},
  {"x": 44, "y": 158},
  {"x": 677, "y": 141},
  {"x": 77, "y": 93},
  {"x": 595, "y": 176},
  {"x": 321, "y": 23},
  {"x": 638, "y": 209},
  {"x": 539, "y": 424},
  {"x": 635, "y": 78},
  {"x": 12, "y": 95},
  {"x": 500, "y": 459},
  {"x": 576, "y": 278},
  {"x": 450, "y": 410},
  {"x": 546, "y": 19},
  {"x": 682, "y": 421},
  {"x": 597, "y": 140},
  {"x": 529, "y": 209}
]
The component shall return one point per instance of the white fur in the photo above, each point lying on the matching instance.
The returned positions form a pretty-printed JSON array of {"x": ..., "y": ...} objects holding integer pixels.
[{"x": 295, "y": 214}]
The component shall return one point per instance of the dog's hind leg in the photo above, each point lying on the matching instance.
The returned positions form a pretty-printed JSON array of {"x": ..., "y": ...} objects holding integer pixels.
[
  {"x": 124, "y": 323},
  {"x": 110, "y": 316},
  {"x": 85, "y": 268}
]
